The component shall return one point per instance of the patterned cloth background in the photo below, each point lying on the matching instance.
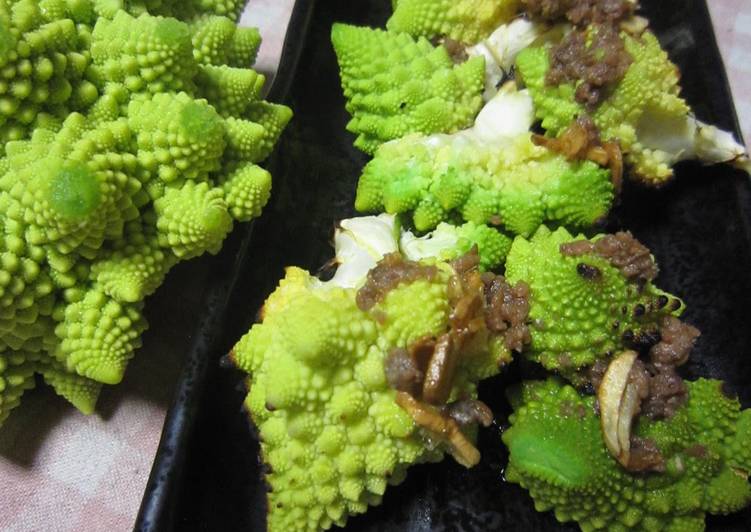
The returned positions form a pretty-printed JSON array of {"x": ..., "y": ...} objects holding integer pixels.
[{"x": 61, "y": 471}]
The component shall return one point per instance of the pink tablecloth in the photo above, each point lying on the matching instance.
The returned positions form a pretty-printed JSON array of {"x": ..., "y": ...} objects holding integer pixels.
[{"x": 61, "y": 471}]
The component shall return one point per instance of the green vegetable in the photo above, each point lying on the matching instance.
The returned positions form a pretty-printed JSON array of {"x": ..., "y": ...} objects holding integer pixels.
[
  {"x": 492, "y": 172},
  {"x": 331, "y": 430},
  {"x": 582, "y": 305},
  {"x": 395, "y": 85},
  {"x": 557, "y": 453},
  {"x": 185, "y": 10},
  {"x": 45, "y": 60},
  {"x": 97, "y": 206},
  {"x": 466, "y": 21},
  {"x": 644, "y": 112}
]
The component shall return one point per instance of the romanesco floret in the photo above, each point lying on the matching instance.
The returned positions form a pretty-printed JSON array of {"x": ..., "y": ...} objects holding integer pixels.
[
  {"x": 97, "y": 206},
  {"x": 395, "y": 85},
  {"x": 45, "y": 58},
  {"x": 466, "y": 21},
  {"x": 556, "y": 451},
  {"x": 643, "y": 111},
  {"x": 490, "y": 173},
  {"x": 448, "y": 242},
  {"x": 184, "y": 10},
  {"x": 586, "y": 299},
  {"x": 338, "y": 407}
]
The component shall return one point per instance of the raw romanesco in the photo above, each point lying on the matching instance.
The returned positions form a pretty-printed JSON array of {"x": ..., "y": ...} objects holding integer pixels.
[
  {"x": 45, "y": 60},
  {"x": 336, "y": 425},
  {"x": 185, "y": 10},
  {"x": 490, "y": 173},
  {"x": 97, "y": 206},
  {"x": 556, "y": 451},
  {"x": 395, "y": 85}
]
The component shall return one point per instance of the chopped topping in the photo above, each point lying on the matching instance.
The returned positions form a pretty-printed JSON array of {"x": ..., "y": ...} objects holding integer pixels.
[
  {"x": 439, "y": 377},
  {"x": 622, "y": 250},
  {"x": 467, "y": 262},
  {"x": 588, "y": 272},
  {"x": 676, "y": 341},
  {"x": 468, "y": 412},
  {"x": 592, "y": 67},
  {"x": 402, "y": 372},
  {"x": 645, "y": 456},
  {"x": 667, "y": 391},
  {"x": 507, "y": 312},
  {"x": 597, "y": 372},
  {"x": 667, "y": 394},
  {"x": 441, "y": 426},
  {"x": 390, "y": 271},
  {"x": 581, "y": 141},
  {"x": 580, "y": 12},
  {"x": 456, "y": 50},
  {"x": 423, "y": 374}
]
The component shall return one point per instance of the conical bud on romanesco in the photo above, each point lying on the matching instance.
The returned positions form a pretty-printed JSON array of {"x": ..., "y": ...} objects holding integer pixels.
[
  {"x": 583, "y": 306},
  {"x": 395, "y": 85}
]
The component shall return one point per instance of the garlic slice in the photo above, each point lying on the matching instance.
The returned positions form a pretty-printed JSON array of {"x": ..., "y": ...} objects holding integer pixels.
[{"x": 619, "y": 403}]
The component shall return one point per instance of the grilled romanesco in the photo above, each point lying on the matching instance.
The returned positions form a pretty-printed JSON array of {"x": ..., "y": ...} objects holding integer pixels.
[
  {"x": 334, "y": 388},
  {"x": 556, "y": 451},
  {"x": 97, "y": 206},
  {"x": 395, "y": 85},
  {"x": 490, "y": 173}
]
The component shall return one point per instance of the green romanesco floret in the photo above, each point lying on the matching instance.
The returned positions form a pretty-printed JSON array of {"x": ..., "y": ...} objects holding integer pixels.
[
  {"x": 556, "y": 451},
  {"x": 449, "y": 242},
  {"x": 337, "y": 417},
  {"x": 490, "y": 173},
  {"x": 246, "y": 190},
  {"x": 45, "y": 59},
  {"x": 466, "y": 21},
  {"x": 643, "y": 111},
  {"x": 587, "y": 297},
  {"x": 96, "y": 206},
  {"x": 396, "y": 85},
  {"x": 184, "y": 10},
  {"x": 16, "y": 376}
]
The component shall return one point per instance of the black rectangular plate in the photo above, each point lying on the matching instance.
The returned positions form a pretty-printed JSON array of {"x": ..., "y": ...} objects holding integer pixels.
[{"x": 207, "y": 476}]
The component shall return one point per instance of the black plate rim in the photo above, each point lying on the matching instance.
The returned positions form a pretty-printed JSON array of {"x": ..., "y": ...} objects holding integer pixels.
[{"x": 156, "y": 511}]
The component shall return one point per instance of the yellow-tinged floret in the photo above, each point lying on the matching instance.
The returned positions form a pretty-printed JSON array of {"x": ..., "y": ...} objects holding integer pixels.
[
  {"x": 644, "y": 103},
  {"x": 395, "y": 85},
  {"x": 466, "y": 21},
  {"x": 331, "y": 430},
  {"x": 509, "y": 182},
  {"x": 556, "y": 451},
  {"x": 185, "y": 10}
]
